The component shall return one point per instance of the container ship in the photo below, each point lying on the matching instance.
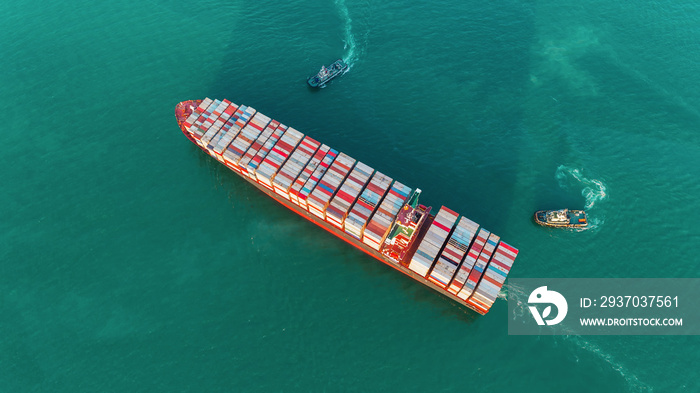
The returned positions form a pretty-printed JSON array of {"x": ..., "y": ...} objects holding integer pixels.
[{"x": 379, "y": 215}]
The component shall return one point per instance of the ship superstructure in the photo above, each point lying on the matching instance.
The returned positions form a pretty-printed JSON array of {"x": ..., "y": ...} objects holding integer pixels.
[{"x": 564, "y": 218}]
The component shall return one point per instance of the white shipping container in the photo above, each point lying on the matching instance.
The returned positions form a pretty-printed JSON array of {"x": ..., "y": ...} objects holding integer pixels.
[{"x": 420, "y": 264}]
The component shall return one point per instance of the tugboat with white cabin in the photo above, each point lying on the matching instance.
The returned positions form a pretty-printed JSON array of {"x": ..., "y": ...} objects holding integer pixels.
[{"x": 563, "y": 218}]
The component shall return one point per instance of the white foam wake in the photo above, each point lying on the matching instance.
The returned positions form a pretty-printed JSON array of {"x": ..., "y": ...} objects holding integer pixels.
[
  {"x": 517, "y": 294},
  {"x": 593, "y": 190},
  {"x": 633, "y": 382},
  {"x": 350, "y": 56}
]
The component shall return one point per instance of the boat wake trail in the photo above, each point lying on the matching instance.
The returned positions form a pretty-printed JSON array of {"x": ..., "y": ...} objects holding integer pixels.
[
  {"x": 578, "y": 343},
  {"x": 350, "y": 48},
  {"x": 634, "y": 384},
  {"x": 593, "y": 190},
  {"x": 516, "y": 294}
]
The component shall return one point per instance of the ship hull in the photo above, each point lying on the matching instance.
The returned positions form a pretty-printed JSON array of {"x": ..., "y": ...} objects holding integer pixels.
[{"x": 335, "y": 231}]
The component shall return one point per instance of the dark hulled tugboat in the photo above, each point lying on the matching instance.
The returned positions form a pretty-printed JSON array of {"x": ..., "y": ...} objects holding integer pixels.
[
  {"x": 327, "y": 73},
  {"x": 564, "y": 218}
]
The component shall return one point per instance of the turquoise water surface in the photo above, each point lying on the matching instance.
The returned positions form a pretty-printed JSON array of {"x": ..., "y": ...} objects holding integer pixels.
[{"x": 132, "y": 262}]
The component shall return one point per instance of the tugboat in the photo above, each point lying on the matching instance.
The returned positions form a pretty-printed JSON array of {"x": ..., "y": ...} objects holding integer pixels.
[
  {"x": 327, "y": 73},
  {"x": 564, "y": 218}
]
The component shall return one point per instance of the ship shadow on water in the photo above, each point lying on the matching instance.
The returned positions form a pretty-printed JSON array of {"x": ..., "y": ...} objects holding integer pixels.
[
  {"x": 473, "y": 166},
  {"x": 411, "y": 289}
]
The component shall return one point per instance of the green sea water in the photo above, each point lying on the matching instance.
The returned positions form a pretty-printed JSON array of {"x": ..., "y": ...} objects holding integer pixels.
[{"x": 132, "y": 262}]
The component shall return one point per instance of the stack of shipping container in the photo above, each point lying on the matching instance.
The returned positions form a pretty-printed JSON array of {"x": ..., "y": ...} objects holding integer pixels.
[
  {"x": 236, "y": 120},
  {"x": 310, "y": 185},
  {"x": 338, "y": 209},
  {"x": 214, "y": 123},
  {"x": 432, "y": 242},
  {"x": 256, "y": 146},
  {"x": 320, "y": 197},
  {"x": 479, "y": 267},
  {"x": 463, "y": 272},
  {"x": 224, "y": 117},
  {"x": 295, "y": 164},
  {"x": 493, "y": 278},
  {"x": 453, "y": 253},
  {"x": 205, "y": 123},
  {"x": 378, "y": 226},
  {"x": 198, "y": 128},
  {"x": 307, "y": 172},
  {"x": 278, "y": 155},
  {"x": 365, "y": 205},
  {"x": 255, "y": 162},
  {"x": 247, "y": 135}
]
